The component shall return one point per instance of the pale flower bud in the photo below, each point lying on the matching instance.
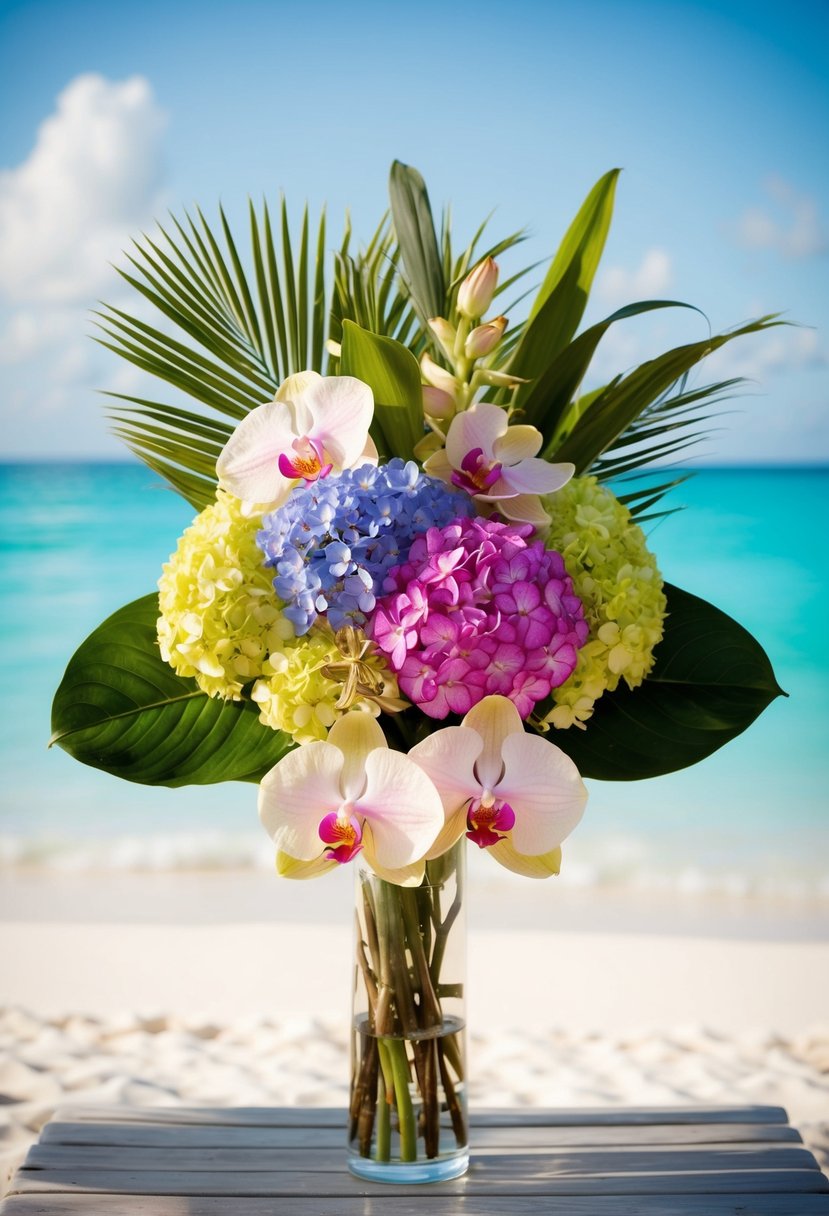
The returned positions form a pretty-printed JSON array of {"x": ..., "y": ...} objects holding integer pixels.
[
  {"x": 485, "y": 338},
  {"x": 445, "y": 333},
  {"x": 437, "y": 403},
  {"x": 476, "y": 291},
  {"x": 333, "y": 348},
  {"x": 501, "y": 379},
  {"x": 438, "y": 376}
]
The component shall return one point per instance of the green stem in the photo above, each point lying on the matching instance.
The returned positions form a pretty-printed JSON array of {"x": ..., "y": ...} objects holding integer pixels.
[
  {"x": 405, "y": 1111},
  {"x": 386, "y": 1084}
]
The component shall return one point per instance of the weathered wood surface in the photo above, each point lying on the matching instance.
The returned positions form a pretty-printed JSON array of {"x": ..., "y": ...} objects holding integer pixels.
[{"x": 689, "y": 1161}]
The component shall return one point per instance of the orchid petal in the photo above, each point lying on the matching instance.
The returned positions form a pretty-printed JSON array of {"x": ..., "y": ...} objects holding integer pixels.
[
  {"x": 247, "y": 466},
  {"x": 439, "y": 465},
  {"x": 341, "y": 408},
  {"x": 542, "y": 866},
  {"x": 537, "y": 476},
  {"x": 494, "y": 718},
  {"x": 478, "y": 427},
  {"x": 517, "y": 443},
  {"x": 295, "y": 795},
  {"x": 450, "y": 833},
  {"x": 297, "y": 385},
  {"x": 524, "y": 509},
  {"x": 448, "y": 757},
  {"x": 544, "y": 788},
  {"x": 402, "y": 806},
  {"x": 356, "y": 734},
  {"x": 405, "y": 876},
  {"x": 292, "y": 867}
]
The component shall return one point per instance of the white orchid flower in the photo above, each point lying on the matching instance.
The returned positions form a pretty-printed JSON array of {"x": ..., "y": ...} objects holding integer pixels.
[
  {"x": 325, "y": 802},
  {"x": 314, "y": 424},
  {"x": 511, "y": 792},
  {"x": 498, "y": 463}
]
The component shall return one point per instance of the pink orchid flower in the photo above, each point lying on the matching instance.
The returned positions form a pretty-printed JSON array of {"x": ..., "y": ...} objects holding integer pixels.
[
  {"x": 498, "y": 463},
  {"x": 325, "y": 802},
  {"x": 313, "y": 425},
  {"x": 511, "y": 792}
]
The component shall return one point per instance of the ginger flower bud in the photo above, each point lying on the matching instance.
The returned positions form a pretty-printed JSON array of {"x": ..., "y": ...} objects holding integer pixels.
[
  {"x": 485, "y": 338},
  {"x": 476, "y": 291},
  {"x": 438, "y": 376},
  {"x": 438, "y": 404},
  {"x": 445, "y": 333},
  {"x": 501, "y": 379}
]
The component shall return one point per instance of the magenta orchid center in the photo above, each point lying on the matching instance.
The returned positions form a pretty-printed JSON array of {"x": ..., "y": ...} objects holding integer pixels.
[
  {"x": 489, "y": 820},
  {"x": 343, "y": 831},
  {"x": 306, "y": 462},
  {"x": 476, "y": 475}
]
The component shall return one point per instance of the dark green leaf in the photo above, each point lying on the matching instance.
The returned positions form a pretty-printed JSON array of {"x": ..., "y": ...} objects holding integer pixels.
[
  {"x": 393, "y": 375},
  {"x": 711, "y": 679},
  {"x": 122, "y": 709},
  {"x": 561, "y": 300},
  {"x": 611, "y": 412}
]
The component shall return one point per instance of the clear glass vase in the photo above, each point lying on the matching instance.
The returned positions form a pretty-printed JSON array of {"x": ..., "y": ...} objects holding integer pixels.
[{"x": 408, "y": 1110}]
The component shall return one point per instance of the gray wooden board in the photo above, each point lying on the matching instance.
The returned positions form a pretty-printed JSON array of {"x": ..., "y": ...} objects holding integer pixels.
[
  {"x": 499, "y": 1176},
  {"x": 418, "y": 1202},
  {"x": 323, "y": 1116},
  {"x": 148, "y": 1135},
  {"x": 564, "y": 1161}
]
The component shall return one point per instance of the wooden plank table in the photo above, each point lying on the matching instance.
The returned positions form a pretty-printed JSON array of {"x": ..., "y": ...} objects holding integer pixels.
[{"x": 201, "y": 1161}]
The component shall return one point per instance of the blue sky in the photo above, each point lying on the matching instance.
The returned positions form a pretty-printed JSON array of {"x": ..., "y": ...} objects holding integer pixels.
[{"x": 717, "y": 113}]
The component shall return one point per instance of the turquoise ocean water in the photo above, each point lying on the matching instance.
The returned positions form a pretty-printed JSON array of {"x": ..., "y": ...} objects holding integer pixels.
[{"x": 78, "y": 541}]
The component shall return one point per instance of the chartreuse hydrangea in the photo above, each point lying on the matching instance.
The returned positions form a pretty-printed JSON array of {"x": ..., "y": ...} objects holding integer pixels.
[
  {"x": 616, "y": 577},
  {"x": 222, "y": 624}
]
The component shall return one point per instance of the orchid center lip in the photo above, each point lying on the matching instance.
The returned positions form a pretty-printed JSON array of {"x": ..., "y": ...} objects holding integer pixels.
[
  {"x": 343, "y": 832},
  {"x": 476, "y": 474},
  {"x": 307, "y": 461},
  {"x": 488, "y": 820}
]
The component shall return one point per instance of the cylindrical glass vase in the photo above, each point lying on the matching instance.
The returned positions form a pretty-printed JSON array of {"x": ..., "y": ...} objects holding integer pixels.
[{"x": 408, "y": 1111}]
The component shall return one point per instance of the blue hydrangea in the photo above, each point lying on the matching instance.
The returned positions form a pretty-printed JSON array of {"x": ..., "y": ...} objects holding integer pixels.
[{"x": 333, "y": 540}]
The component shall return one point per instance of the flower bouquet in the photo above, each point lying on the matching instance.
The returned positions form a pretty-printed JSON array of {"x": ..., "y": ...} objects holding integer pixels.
[{"x": 417, "y": 604}]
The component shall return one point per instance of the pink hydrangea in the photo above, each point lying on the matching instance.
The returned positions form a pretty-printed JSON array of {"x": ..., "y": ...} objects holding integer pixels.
[{"x": 477, "y": 610}]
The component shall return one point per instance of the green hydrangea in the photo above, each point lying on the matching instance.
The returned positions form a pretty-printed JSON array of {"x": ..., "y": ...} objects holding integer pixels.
[
  {"x": 617, "y": 579},
  {"x": 222, "y": 624}
]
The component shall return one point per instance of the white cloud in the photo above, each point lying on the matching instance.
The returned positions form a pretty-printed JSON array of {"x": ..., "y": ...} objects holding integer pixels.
[
  {"x": 651, "y": 279},
  {"x": 757, "y": 357},
  {"x": 792, "y": 226},
  {"x": 92, "y": 178}
]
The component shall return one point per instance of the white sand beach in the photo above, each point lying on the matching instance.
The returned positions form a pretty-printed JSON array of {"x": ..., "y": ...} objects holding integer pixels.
[{"x": 163, "y": 988}]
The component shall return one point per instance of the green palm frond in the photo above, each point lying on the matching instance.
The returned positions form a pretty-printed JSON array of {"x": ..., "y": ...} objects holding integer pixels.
[
  {"x": 230, "y": 334},
  {"x": 369, "y": 291}
]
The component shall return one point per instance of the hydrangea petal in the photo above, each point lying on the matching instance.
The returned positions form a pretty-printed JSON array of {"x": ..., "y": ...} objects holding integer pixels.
[
  {"x": 543, "y": 786},
  {"x": 402, "y": 806},
  {"x": 542, "y": 866},
  {"x": 295, "y": 795}
]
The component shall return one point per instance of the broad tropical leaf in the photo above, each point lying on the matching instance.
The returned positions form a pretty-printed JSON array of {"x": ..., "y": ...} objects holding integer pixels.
[
  {"x": 559, "y": 306},
  {"x": 122, "y": 709},
  {"x": 711, "y": 679},
  {"x": 392, "y": 373}
]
